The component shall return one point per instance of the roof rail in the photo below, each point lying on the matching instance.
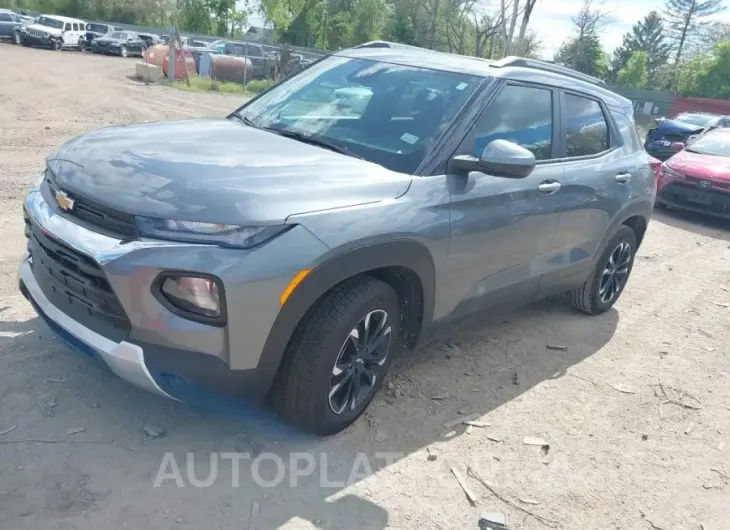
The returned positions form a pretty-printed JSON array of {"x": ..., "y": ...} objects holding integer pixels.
[{"x": 548, "y": 67}]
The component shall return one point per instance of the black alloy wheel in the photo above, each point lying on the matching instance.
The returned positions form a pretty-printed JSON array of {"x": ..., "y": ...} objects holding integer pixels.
[
  {"x": 360, "y": 363},
  {"x": 615, "y": 273}
]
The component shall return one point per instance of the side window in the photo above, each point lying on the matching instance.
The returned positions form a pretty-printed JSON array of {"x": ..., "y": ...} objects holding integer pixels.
[
  {"x": 67, "y": 27},
  {"x": 519, "y": 114},
  {"x": 75, "y": 26},
  {"x": 628, "y": 131},
  {"x": 254, "y": 51},
  {"x": 5, "y": 17},
  {"x": 586, "y": 127}
]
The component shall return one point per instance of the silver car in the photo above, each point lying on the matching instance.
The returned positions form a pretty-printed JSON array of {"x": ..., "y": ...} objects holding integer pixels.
[{"x": 290, "y": 249}]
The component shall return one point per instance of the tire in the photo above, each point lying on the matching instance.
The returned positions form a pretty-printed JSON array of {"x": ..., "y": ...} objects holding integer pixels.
[
  {"x": 304, "y": 391},
  {"x": 591, "y": 298},
  {"x": 55, "y": 45},
  {"x": 81, "y": 44},
  {"x": 17, "y": 39},
  {"x": 123, "y": 52}
]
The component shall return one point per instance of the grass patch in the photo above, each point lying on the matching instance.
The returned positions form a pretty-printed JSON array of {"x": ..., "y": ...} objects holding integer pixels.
[{"x": 206, "y": 84}]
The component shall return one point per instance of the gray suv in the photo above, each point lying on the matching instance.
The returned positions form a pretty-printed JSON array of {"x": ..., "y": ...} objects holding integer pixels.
[{"x": 288, "y": 250}]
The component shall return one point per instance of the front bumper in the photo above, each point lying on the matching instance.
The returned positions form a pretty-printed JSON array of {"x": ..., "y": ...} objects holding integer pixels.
[
  {"x": 681, "y": 194},
  {"x": 107, "y": 50},
  {"x": 124, "y": 359},
  {"x": 36, "y": 41},
  {"x": 159, "y": 350}
]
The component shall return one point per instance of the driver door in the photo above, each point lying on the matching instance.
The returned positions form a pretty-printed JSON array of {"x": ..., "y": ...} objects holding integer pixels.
[{"x": 502, "y": 229}]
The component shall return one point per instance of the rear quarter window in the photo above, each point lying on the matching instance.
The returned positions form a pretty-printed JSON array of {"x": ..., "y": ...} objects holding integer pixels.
[{"x": 629, "y": 134}]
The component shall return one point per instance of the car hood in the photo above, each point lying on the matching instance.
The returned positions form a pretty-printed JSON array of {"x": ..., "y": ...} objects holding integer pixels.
[
  {"x": 47, "y": 29},
  {"x": 107, "y": 40},
  {"x": 215, "y": 170},
  {"x": 703, "y": 166}
]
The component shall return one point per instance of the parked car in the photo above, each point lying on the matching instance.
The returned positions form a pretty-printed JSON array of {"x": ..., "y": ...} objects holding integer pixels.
[
  {"x": 290, "y": 251},
  {"x": 121, "y": 43},
  {"x": 54, "y": 32},
  {"x": 150, "y": 39},
  {"x": 705, "y": 120},
  {"x": 262, "y": 63},
  {"x": 95, "y": 30},
  {"x": 697, "y": 178},
  {"x": 10, "y": 25},
  {"x": 661, "y": 137}
]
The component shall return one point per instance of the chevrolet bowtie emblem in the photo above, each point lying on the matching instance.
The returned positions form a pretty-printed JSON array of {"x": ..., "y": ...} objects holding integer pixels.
[{"x": 64, "y": 201}]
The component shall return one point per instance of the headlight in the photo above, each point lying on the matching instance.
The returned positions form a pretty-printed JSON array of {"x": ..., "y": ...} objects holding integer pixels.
[
  {"x": 671, "y": 172},
  {"x": 45, "y": 35},
  {"x": 208, "y": 233}
]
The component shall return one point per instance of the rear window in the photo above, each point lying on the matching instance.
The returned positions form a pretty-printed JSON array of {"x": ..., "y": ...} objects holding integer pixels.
[
  {"x": 700, "y": 120},
  {"x": 628, "y": 131},
  {"x": 587, "y": 130}
]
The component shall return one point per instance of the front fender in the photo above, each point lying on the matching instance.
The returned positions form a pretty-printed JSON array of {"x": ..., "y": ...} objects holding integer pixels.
[{"x": 338, "y": 268}]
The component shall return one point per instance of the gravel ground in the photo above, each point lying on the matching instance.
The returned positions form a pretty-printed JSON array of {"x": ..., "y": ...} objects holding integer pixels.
[{"x": 634, "y": 404}]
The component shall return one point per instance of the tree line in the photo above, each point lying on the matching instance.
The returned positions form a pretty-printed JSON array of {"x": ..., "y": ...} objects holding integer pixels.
[{"x": 676, "y": 49}]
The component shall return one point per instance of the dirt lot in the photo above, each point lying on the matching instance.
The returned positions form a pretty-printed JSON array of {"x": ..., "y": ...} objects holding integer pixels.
[{"x": 623, "y": 453}]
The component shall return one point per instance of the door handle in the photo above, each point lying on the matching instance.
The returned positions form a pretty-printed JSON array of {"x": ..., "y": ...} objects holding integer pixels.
[
  {"x": 623, "y": 177},
  {"x": 549, "y": 187}
]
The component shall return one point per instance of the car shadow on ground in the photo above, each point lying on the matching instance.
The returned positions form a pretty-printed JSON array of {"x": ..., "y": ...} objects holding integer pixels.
[
  {"x": 698, "y": 223},
  {"x": 486, "y": 363}
]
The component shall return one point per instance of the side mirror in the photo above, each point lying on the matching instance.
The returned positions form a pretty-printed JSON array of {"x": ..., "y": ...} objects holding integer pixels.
[
  {"x": 677, "y": 146},
  {"x": 500, "y": 158}
]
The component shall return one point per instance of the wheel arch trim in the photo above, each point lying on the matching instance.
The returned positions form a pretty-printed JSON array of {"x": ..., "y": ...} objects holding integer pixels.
[{"x": 407, "y": 253}]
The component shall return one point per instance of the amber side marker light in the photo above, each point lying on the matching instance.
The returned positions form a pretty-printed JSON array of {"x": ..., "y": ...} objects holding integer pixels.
[{"x": 293, "y": 285}]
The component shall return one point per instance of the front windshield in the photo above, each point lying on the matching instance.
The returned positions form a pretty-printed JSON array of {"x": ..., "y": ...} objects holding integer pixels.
[
  {"x": 712, "y": 144},
  {"x": 50, "y": 22},
  {"x": 385, "y": 113},
  {"x": 701, "y": 120},
  {"x": 120, "y": 36}
]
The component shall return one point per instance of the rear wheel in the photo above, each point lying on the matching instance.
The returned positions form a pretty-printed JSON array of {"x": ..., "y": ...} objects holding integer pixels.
[
  {"x": 339, "y": 356},
  {"x": 609, "y": 277}
]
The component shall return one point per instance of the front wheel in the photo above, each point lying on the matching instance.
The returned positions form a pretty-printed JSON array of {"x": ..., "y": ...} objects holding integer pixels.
[
  {"x": 609, "y": 277},
  {"x": 123, "y": 52},
  {"x": 55, "y": 44},
  {"x": 339, "y": 356},
  {"x": 17, "y": 39}
]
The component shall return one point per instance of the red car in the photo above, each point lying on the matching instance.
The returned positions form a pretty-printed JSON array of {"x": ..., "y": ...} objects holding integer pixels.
[{"x": 697, "y": 178}]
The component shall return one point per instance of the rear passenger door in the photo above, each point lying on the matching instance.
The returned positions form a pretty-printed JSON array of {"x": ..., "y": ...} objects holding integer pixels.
[{"x": 597, "y": 182}]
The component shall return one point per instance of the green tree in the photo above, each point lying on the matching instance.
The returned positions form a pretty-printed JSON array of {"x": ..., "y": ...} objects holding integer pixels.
[
  {"x": 707, "y": 75},
  {"x": 634, "y": 74},
  {"x": 648, "y": 36},
  {"x": 685, "y": 21},
  {"x": 584, "y": 51},
  {"x": 584, "y": 54}
]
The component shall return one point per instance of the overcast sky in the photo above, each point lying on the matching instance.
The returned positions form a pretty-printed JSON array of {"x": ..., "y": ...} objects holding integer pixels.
[{"x": 551, "y": 20}]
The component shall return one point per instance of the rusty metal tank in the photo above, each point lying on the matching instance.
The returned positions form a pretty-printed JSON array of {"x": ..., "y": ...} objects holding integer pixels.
[
  {"x": 156, "y": 54},
  {"x": 230, "y": 68}
]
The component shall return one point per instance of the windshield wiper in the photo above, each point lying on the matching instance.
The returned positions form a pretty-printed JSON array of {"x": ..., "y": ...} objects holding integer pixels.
[
  {"x": 314, "y": 140},
  {"x": 245, "y": 119}
]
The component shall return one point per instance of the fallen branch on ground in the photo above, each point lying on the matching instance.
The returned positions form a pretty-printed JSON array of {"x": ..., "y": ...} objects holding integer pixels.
[
  {"x": 39, "y": 441},
  {"x": 544, "y": 520}
]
